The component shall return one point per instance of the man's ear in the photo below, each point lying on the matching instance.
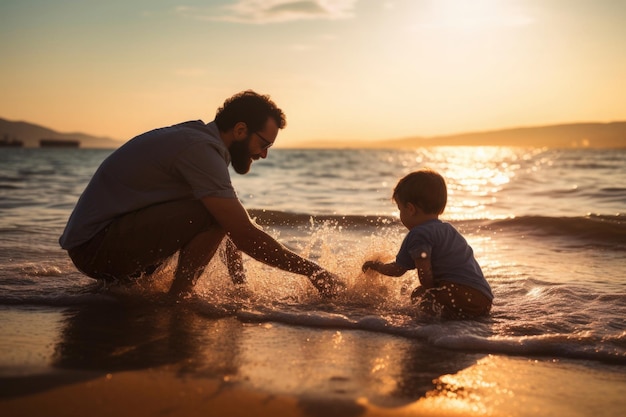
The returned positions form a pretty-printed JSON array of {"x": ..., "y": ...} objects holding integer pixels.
[{"x": 240, "y": 131}]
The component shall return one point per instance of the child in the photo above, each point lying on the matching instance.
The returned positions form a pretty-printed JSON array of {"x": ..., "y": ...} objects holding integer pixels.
[{"x": 452, "y": 282}]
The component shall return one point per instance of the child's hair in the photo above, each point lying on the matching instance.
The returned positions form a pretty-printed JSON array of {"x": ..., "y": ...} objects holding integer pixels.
[{"x": 425, "y": 189}]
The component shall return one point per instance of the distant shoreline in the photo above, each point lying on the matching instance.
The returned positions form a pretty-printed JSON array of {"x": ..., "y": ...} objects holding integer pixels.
[
  {"x": 577, "y": 135},
  {"x": 610, "y": 135}
]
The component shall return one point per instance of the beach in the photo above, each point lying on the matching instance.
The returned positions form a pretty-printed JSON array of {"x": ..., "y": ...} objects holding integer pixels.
[
  {"x": 229, "y": 368},
  {"x": 309, "y": 113},
  {"x": 547, "y": 227}
]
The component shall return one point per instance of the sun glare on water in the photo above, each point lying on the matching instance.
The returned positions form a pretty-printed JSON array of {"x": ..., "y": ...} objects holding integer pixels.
[{"x": 474, "y": 176}]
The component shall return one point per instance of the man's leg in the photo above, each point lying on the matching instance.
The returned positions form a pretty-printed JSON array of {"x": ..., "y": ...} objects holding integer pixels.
[
  {"x": 136, "y": 241},
  {"x": 234, "y": 262},
  {"x": 196, "y": 256},
  {"x": 193, "y": 258}
]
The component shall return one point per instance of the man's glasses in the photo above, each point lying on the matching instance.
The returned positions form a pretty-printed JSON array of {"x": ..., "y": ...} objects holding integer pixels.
[{"x": 267, "y": 143}]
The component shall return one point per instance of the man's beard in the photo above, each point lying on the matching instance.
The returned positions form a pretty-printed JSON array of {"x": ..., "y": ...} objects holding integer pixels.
[{"x": 240, "y": 156}]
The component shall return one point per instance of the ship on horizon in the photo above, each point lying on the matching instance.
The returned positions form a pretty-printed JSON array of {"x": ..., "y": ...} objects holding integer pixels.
[
  {"x": 8, "y": 142},
  {"x": 58, "y": 143}
]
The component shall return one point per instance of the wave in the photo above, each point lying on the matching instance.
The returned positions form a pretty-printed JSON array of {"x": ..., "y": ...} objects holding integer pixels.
[
  {"x": 467, "y": 336},
  {"x": 61, "y": 300},
  {"x": 603, "y": 230},
  {"x": 588, "y": 321},
  {"x": 282, "y": 218},
  {"x": 606, "y": 231},
  {"x": 479, "y": 336}
]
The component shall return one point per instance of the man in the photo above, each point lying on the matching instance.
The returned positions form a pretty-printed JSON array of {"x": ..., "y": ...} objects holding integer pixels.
[{"x": 169, "y": 190}]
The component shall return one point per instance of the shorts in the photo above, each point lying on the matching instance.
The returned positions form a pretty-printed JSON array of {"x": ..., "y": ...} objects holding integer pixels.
[
  {"x": 138, "y": 242},
  {"x": 451, "y": 300}
]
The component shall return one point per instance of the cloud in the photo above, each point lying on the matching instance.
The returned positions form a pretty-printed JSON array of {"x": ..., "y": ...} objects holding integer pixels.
[
  {"x": 273, "y": 11},
  {"x": 457, "y": 14}
]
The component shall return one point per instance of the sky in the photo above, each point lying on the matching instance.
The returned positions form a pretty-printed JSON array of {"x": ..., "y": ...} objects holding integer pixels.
[{"x": 339, "y": 69}]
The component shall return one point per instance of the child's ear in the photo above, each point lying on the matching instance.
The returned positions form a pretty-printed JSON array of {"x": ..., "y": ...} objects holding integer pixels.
[{"x": 411, "y": 208}]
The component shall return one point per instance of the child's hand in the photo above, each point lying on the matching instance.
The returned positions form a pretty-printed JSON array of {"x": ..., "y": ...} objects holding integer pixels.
[
  {"x": 369, "y": 265},
  {"x": 390, "y": 269}
]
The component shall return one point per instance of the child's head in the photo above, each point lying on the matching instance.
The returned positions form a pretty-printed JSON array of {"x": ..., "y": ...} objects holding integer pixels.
[{"x": 425, "y": 189}]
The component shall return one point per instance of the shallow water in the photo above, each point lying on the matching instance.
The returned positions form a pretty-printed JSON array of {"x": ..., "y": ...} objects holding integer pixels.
[{"x": 547, "y": 227}]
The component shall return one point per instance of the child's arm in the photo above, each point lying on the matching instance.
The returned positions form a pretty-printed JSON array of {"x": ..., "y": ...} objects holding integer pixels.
[
  {"x": 424, "y": 271},
  {"x": 390, "y": 269}
]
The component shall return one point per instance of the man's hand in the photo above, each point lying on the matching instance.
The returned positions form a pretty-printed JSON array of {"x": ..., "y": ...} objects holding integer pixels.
[{"x": 327, "y": 284}]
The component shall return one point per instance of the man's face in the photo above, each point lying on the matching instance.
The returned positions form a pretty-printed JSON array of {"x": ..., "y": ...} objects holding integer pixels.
[
  {"x": 253, "y": 147},
  {"x": 240, "y": 155}
]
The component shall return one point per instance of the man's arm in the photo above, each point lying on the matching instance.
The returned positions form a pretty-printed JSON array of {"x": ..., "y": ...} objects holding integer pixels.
[{"x": 253, "y": 241}]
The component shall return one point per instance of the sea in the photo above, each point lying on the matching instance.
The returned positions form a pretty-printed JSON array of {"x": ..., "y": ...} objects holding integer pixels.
[{"x": 547, "y": 226}]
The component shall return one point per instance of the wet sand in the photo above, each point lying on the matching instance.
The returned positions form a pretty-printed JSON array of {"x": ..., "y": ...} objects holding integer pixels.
[
  {"x": 494, "y": 386},
  {"x": 155, "y": 361}
]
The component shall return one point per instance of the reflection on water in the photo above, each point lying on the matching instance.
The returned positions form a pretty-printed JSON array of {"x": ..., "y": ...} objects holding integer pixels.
[
  {"x": 333, "y": 364},
  {"x": 139, "y": 335},
  {"x": 500, "y": 386},
  {"x": 475, "y": 176},
  {"x": 36, "y": 328}
]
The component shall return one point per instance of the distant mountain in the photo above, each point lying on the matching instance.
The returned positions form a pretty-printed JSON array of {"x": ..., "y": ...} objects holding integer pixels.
[
  {"x": 582, "y": 135},
  {"x": 30, "y": 134}
]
